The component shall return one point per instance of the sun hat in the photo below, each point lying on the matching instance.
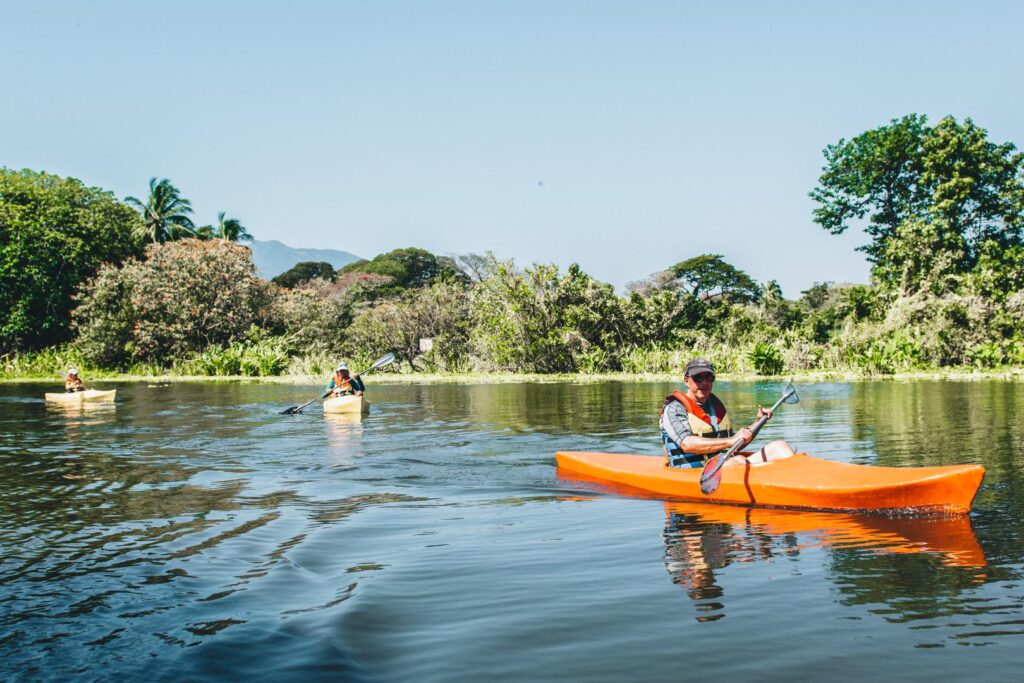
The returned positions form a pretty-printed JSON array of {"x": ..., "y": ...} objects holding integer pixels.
[
  {"x": 72, "y": 371},
  {"x": 341, "y": 366}
]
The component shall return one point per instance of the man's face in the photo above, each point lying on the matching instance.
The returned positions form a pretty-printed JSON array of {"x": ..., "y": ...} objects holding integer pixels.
[{"x": 700, "y": 385}]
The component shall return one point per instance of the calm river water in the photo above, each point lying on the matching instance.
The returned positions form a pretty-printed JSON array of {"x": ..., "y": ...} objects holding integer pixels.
[{"x": 191, "y": 532}]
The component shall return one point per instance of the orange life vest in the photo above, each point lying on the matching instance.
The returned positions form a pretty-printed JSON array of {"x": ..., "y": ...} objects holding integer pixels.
[{"x": 702, "y": 424}]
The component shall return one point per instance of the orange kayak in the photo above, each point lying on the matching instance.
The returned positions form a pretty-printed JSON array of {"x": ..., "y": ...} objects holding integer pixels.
[{"x": 800, "y": 481}]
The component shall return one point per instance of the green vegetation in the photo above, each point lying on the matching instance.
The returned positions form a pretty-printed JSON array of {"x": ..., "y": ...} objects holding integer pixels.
[
  {"x": 92, "y": 281},
  {"x": 304, "y": 272},
  {"x": 54, "y": 234}
]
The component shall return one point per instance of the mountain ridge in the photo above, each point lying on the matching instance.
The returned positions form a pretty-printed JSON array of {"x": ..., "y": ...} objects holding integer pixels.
[{"x": 273, "y": 257}]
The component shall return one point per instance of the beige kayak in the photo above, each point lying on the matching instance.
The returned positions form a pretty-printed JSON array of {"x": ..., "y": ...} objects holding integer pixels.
[
  {"x": 347, "y": 404},
  {"x": 81, "y": 396}
]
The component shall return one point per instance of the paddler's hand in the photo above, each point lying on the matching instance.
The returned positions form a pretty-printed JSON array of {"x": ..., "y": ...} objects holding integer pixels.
[
  {"x": 743, "y": 437},
  {"x": 761, "y": 412}
]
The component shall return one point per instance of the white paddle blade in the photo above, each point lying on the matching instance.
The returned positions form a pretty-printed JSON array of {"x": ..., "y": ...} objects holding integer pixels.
[{"x": 789, "y": 394}]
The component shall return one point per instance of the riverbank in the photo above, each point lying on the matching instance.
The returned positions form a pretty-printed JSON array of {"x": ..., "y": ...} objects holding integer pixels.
[{"x": 959, "y": 374}]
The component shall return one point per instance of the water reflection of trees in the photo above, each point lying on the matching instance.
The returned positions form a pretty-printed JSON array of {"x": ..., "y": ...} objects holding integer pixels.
[
  {"x": 930, "y": 422},
  {"x": 916, "y": 567}
]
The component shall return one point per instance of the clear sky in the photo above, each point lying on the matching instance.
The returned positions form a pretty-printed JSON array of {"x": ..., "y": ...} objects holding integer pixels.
[{"x": 624, "y": 136}]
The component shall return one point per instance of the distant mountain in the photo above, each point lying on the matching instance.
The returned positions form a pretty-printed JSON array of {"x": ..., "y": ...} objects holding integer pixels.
[{"x": 273, "y": 258}]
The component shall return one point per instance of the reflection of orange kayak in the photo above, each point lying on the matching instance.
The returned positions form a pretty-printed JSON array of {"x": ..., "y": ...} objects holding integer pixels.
[
  {"x": 800, "y": 481},
  {"x": 950, "y": 537}
]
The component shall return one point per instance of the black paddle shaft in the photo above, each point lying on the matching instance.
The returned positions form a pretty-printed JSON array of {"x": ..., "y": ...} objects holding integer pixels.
[{"x": 708, "y": 481}]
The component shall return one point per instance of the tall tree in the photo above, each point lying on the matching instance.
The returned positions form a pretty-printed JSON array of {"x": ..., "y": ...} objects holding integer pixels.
[
  {"x": 874, "y": 175},
  {"x": 933, "y": 196},
  {"x": 54, "y": 234},
  {"x": 231, "y": 229},
  {"x": 165, "y": 215}
]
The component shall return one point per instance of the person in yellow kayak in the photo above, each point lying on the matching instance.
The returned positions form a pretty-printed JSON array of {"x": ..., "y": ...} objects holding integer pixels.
[
  {"x": 73, "y": 382},
  {"x": 343, "y": 384},
  {"x": 696, "y": 425}
]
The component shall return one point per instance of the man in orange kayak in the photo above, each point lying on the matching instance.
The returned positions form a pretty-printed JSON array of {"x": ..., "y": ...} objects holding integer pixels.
[
  {"x": 695, "y": 425},
  {"x": 343, "y": 384},
  {"x": 73, "y": 383}
]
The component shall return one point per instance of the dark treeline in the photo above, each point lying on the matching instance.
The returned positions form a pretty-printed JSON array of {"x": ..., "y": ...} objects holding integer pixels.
[{"x": 136, "y": 286}]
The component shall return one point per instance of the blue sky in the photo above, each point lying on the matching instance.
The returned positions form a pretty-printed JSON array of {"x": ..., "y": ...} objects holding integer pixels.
[{"x": 624, "y": 136}]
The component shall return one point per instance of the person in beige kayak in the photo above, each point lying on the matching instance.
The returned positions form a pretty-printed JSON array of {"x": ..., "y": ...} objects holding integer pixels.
[
  {"x": 695, "y": 425},
  {"x": 73, "y": 382},
  {"x": 343, "y": 384}
]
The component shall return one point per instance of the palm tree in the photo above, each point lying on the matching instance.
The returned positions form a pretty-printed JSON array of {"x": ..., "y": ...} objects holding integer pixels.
[
  {"x": 771, "y": 292},
  {"x": 231, "y": 229},
  {"x": 165, "y": 213}
]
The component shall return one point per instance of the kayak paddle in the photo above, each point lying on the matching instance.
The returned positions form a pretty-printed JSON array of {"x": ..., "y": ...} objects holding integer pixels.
[
  {"x": 711, "y": 475},
  {"x": 386, "y": 359}
]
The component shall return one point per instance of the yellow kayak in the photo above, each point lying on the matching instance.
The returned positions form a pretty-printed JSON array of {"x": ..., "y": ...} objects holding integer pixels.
[
  {"x": 81, "y": 396},
  {"x": 347, "y": 404}
]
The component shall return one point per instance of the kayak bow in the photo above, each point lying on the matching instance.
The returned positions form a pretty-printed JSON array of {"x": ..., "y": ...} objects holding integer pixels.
[{"x": 800, "y": 481}]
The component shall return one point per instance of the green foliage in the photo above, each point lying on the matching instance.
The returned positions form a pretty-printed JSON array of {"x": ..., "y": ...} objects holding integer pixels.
[
  {"x": 593, "y": 360},
  {"x": 185, "y": 297},
  {"x": 407, "y": 268},
  {"x": 439, "y": 312},
  {"x": 314, "y": 315},
  {"x": 999, "y": 272},
  {"x": 54, "y": 234},
  {"x": 766, "y": 359},
  {"x": 165, "y": 214},
  {"x": 663, "y": 317},
  {"x": 708, "y": 275},
  {"x": 304, "y": 272},
  {"x": 817, "y": 296},
  {"x": 988, "y": 354},
  {"x": 44, "y": 364},
  {"x": 895, "y": 352},
  {"x": 540, "y": 321},
  {"x": 258, "y": 356},
  {"x": 933, "y": 197},
  {"x": 861, "y": 302},
  {"x": 654, "y": 359}
]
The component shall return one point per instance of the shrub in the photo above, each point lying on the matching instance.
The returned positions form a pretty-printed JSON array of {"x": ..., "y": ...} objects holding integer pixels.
[
  {"x": 439, "y": 312},
  {"x": 186, "y": 296},
  {"x": 766, "y": 359}
]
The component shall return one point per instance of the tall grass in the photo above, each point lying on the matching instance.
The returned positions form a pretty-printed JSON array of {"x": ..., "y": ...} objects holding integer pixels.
[
  {"x": 44, "y": 364},
  {"x": 261, "y": 358}
]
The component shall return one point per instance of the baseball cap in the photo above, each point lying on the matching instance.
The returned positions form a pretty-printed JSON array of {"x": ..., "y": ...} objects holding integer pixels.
[{"x": 698, "y": 366}]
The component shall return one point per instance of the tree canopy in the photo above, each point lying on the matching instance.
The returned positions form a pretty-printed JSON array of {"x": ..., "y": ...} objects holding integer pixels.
[
  {"x": 708, "y": 275},
  {"x": 409, "y": 268},
  {"x": 930, "y": 197},
  {"x": 304, "y": 272},
  {"x": 54, "y": 234}
]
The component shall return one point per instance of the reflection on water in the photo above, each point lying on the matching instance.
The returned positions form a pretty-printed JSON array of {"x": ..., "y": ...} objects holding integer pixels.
[
  {"x": 344, "y": 437},
  {"x": 192, "y": 532},
  {"x": 700, "y": 539}
]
